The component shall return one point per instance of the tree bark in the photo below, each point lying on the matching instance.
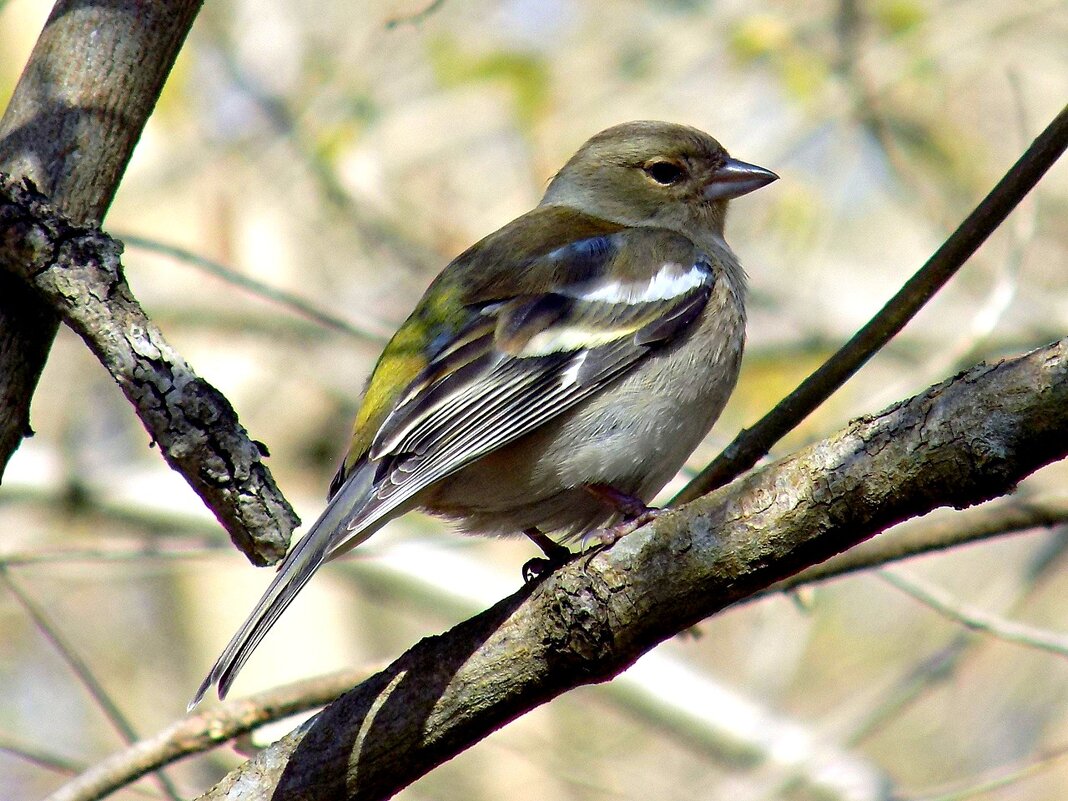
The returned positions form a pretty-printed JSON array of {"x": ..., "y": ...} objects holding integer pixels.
[
  {"x": 76, "y": 271},
  {"x": 966, "y": 440}
]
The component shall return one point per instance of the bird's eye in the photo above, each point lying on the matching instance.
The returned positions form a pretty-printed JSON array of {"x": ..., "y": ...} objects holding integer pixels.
[{"x": 665, "y": 172}]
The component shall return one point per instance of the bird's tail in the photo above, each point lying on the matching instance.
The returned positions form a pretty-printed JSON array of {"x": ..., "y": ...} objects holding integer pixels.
[{"x": 338, "y": 528}]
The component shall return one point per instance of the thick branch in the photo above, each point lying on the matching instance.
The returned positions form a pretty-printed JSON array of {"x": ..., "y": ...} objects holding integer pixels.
[
  {"x": 71, "y": 126},
  {"x": 724, "y": 733},
  {"x": 76, "y": 271},
  {"x": 961, "y": 442}
]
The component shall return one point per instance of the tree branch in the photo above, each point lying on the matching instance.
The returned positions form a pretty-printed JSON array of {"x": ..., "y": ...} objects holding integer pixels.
[
  {"x": 963, "y": 441},
  {"x": 201, "y": 731},
  {"x": 1013, "y": 516},
  {"x": 973, "y": 617},
  {"x": 77, "y": 272},
  {"x": 77, "y": 112}
]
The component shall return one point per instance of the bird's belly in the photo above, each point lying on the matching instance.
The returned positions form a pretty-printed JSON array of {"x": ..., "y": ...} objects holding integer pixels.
[{"x": 634, "y": 436}]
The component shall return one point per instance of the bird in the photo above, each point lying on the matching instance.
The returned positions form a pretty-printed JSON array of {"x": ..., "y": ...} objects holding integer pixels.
[{"x": 555, "y": 375}]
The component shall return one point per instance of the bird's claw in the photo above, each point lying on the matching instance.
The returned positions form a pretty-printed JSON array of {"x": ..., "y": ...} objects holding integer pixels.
[
  {"x": 537, "y": 568},
  {"x": 610, "y": 535},
  {"x": 555, "y": 555}
]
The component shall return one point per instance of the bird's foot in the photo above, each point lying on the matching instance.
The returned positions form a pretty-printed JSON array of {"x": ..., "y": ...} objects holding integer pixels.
[
  {"x": 627, "y": 505},
  {"x": 555, "y": 555},
  {"x": 610, "y": 535},
  {"x": 633, "y": 510}
]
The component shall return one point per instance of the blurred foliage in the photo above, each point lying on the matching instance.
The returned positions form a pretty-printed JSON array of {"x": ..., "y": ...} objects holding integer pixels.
[
  {"x": 343, "y": 153},
  {"x": 525, "y": 75}
]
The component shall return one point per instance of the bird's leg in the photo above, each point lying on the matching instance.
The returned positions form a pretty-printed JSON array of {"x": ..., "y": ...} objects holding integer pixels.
[
  {"x": 555, "y": 555},
  {"x": 627, "y": 505},
  {"x": 634, "y": 511}
]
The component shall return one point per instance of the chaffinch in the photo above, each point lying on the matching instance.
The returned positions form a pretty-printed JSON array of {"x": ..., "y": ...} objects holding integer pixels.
[{"x": 558, "y": 372}]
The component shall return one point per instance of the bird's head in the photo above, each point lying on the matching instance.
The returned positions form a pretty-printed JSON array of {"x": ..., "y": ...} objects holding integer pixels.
[{"x": 655, "y": 173}]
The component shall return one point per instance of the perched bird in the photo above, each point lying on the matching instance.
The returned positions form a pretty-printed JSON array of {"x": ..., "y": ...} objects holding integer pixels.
[{"x": 555, "y": 375}]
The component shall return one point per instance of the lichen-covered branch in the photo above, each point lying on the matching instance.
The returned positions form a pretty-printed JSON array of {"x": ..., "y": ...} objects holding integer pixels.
[
  {"x": 966, "y": 440},
  {"x": 76, "y": 271}
]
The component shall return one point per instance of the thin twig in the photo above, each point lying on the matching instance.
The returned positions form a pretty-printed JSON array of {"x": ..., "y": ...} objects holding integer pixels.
[
  {"x": 995, "y": 519},
  {"x": 752, "y": 444},
  {"x": 975, "y": 618},
  {"x": 1016, "y": 774},
  {"x": 35, "y": 755},
  {"x": 82, "y": 671},
  {"x": 416, "y": 17},
  {"x": 260, "y": 289},
  {"x": 205, "y": 730},
  {"x": 74, "y": 555},
  {"x": 940, "y": 664}
]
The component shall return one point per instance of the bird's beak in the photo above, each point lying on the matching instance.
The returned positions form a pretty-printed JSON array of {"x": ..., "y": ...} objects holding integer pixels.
[{"x": 735, "y": 178}]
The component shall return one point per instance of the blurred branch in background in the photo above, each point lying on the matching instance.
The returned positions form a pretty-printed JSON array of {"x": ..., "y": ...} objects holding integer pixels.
[
  {"x": 378, "y": 334},
  {"x": 753, "y": 444},
  {"x": 83, "y": 672},
  {"x": 938, "y": 666},
  {"x": 974, "y": 618},
  {"x": 995, "y": 780},
  {"x": 995, "y": 519},
  {"x": 376, "y": 234}
]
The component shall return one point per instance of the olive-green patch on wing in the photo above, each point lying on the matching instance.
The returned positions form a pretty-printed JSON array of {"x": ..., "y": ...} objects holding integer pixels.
[{"x": 438, "y": 318}]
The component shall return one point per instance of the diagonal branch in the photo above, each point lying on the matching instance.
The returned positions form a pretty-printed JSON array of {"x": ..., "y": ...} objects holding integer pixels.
[
  {"x": 753, "y": 444},
  {"x": 963, "y": 441},
  {"x": 726, "y": 729},
  {"x": 973, "y": 617},
  {"x": 76, "y": 271}
]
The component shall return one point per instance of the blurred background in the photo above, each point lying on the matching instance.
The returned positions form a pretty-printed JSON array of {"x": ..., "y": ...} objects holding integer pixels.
[{"x": 309, "y": 169}]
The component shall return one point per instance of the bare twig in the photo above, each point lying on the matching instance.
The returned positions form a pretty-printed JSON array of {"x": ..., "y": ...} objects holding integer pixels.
[
  {"x": 76, "y": 270},
  {"x": 83, "y": 672},
  {"x": 1004, "y": 778},
  {"x": 416, "y": 17},
  {"x": 752, "y": 444},
  {"x": 204, "y": 730},
  {"x": 295, "y": 303},
  {"x": 974, "y": 618},
  {"x": 997, "y": 519},
  {"x": 38, "y": 756}
]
